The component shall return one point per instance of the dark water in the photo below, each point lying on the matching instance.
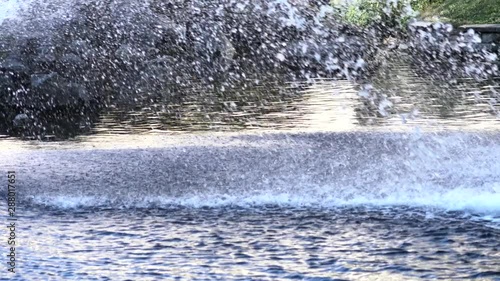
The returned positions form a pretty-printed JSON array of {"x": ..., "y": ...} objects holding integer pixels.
[
  {"x": 321, "y": 104},
  {"x": 285, "y": 181},
  {"x": 265, "y": 243},
  {"x": 402, "y": 99},
  {"x": 287, "y": 206}
]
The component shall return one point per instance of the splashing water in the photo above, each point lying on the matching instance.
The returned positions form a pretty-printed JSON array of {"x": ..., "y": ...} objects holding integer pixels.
[
  {"x": 358, "y": 201},
  {"x": 68, "y": 56},
  {"x": 9, "y": 9},
  {"x": 454, "y": 172}
]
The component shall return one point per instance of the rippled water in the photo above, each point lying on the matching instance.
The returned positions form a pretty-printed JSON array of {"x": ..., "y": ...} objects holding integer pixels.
[
  {"x": 287, "y": 206},
  {"x": 265, "y": 243},
  {"x": 261, "y": 104},
  {"x": 307, "y": 181},
  {"x": 321, "y": 104}
]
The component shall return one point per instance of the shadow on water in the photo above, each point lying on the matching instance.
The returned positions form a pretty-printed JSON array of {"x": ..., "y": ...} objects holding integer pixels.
[{"x": 397, "y": 94}]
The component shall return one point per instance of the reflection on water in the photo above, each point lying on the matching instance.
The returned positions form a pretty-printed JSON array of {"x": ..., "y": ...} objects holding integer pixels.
[
  {"x": 460, "y": 104},
  {"x": 401, "y": 99},
  {"x": 397, "y": 98},
  {"x": 354, "y": 206},
  {"x": 252, "y": 104}
]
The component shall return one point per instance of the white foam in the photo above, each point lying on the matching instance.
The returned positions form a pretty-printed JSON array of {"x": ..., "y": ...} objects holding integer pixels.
[
  {"x": 485, "y": 200},
  {"x": 448, "y": 173},
  {"x": 31, "y": 13},
  {"x": 9, "y": 9}
]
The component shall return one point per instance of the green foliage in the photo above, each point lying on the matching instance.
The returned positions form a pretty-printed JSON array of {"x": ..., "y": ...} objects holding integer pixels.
[
  {"x": 463, "y": 11},
  {"x": 360, "y": 15},
  {"x": 393, "y": 14},
  {"x": 420, "y": 5}
]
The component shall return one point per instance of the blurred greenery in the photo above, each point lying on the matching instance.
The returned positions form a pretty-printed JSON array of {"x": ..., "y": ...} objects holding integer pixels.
[
  {"x": 392, "y": 14},
  {"x": 462, "y": 11},
  {"x": 397, "y": 12}
]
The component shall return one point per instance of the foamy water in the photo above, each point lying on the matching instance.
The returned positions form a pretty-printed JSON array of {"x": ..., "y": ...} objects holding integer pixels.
[
  {"x": 265, "y": 206},
  {"x": 13, "y": 9},
  {"x": 448, "y": 172},
  {"x": 484, "y": 203},
  {"x": 9, "y": 9}
]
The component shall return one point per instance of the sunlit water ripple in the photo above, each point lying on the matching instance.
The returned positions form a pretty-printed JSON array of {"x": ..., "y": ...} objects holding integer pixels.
[
  {"x": 298, "y": 181},
  {"x": 317, "y": 195},
  {"x": 286, "y": 206},
  {"x": 265, "y": 243}
]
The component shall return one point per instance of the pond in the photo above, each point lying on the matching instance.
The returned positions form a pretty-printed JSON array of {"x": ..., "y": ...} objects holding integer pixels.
[
  {"x": 410, "y": 99},
  {"x": 396, "y": 178}
]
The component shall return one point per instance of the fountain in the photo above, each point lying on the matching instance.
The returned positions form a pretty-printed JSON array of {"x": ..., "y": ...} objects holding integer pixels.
[
  {"x": 79, "y": 56},
  {"x": 61, "y": 63},
  {"x": 246, "y": 140}
]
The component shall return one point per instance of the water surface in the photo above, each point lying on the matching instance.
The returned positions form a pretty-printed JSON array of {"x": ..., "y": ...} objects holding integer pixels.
[{"x": 310, "y": 180}]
